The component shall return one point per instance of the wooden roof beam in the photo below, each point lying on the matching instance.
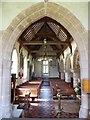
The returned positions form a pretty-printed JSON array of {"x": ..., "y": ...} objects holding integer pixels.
[
  {"x": 37, "y": 51},
  {"x": 42, "y": 43},
  {"x": 36, "y": 56}
]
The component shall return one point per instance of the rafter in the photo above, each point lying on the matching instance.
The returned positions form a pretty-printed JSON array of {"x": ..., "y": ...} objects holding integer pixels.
[
  {"x": 42, "y": 43},
  {"x": 45, "y": 35},
  {"x": 32, "y": 38},
  {"x": 65, "y": 47},
  {"x": 31, "y": 31},
  {"x": 21, "y": 43},
  {"x": 48, "y": 56},
  {"x": 64, "y": 30},
  {"x": 37, "y": 51}
]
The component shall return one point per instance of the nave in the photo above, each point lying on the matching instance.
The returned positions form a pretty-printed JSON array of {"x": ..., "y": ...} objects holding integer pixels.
[{"x": 44, "y": 39}]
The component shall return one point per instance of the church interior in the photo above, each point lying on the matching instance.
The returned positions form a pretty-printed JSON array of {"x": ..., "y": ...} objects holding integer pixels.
[
  {"x": 39, "y": 48},
  {"x": 44, "y": 61}
]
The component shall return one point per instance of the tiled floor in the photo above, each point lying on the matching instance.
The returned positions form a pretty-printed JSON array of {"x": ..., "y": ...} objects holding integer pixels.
[
  {"x": 69, "y": 106},
  {"x": 46, "y": 107}
]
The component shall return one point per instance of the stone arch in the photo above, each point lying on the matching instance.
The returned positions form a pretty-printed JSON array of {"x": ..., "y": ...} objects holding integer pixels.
[
  {"x": 37, "y": 11},
  {"x": 76, "y": 63},
  {"x": 61, "y": 65},
  {"x": 68, "y": 63},
  {"x": 25, "y": 67},
  {"x": 26, "y": 18},
  {"x": 15, "y": 55},
  {"x": 18, "y": 55},
  {"x": 62, "y": 76},
  {"x": 68, "y": 68},
  {"x": 76, "y": 68}
]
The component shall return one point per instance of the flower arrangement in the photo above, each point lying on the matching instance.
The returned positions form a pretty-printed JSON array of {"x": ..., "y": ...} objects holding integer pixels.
[{"x": 78, "y": 88}]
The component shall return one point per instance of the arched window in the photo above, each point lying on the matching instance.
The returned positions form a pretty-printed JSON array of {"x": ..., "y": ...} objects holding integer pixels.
[
  {"x": 25, "y": 68},
  {"x": 14, "y": 67}
]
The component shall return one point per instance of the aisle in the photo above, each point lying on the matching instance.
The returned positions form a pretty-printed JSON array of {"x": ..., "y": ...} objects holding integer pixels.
[{"x": 44, "y": 108}]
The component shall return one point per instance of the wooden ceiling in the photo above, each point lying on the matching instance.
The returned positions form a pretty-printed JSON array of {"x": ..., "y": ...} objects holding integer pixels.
[{"x": 46, "y": 32}]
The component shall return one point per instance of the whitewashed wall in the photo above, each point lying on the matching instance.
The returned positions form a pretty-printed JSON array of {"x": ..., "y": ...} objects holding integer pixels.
[
  {"x": 53, "y": 68},
  {"x": 37, "y": 68},
  {"x": 16, "y": 46}
]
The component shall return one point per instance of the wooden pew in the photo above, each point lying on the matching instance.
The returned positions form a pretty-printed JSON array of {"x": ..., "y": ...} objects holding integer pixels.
[
  {"x": 35, "y": 82},
  {"x": 66, "y": 89},
  {"x": 32, "y": 87}
]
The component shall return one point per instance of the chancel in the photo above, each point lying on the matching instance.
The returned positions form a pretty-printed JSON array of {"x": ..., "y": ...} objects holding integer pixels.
[{"x": 44, "y": 63}]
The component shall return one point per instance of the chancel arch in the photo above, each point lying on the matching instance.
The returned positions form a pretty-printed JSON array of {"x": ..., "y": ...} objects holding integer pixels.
[{"x": 21, "y": 22}]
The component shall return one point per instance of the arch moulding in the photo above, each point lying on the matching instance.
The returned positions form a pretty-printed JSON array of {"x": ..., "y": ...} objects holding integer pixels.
[{"x": 36, "y": 12}]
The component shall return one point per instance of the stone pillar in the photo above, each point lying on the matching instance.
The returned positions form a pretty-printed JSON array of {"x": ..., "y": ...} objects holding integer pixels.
[
  {"x": 85, "y": 94},
  {"x": 6, "y": 90},
  {"x": 85, "y": 106},
  {"x": 27, "y": 73},
  {"x": 67, "y": 77},
  {"x": 0, "y": 85},
  {"x": 75, "y": 79},
  {"x": 62, "y": 76},
  {"x": 0, "y": 73}
]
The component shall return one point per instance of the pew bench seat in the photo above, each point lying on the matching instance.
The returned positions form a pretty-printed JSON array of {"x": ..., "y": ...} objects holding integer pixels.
[
  {"x": 33, "y": 90},
  {"x": 65, "y": 88}
]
